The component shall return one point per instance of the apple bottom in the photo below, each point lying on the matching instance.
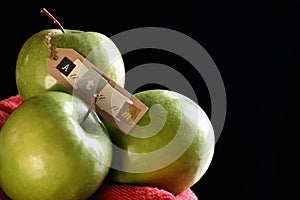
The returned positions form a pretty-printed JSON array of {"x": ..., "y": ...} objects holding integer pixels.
[{"x": 126, "y": 192}]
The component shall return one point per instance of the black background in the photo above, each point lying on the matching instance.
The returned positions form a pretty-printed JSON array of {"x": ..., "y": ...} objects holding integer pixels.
[{"x": 253, "y": 43}]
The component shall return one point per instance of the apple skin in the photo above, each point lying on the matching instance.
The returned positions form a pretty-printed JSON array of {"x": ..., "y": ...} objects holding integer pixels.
[
  {"x": 46, "y": 154},
  {"x": 151, "y": 156},
  {"x": 31, "y": 72}
]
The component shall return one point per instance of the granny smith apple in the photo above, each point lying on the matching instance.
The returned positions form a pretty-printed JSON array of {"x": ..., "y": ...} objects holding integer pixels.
[
  {"x": 32, "y": 75},
  {"x": 45, "y": 152},
  {"x": 171, "y": 147}
]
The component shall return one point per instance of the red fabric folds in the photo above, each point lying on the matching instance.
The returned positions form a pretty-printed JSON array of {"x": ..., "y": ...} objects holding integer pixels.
[
  {"x": 111, "y": 191},
  {"x": 7, "y": 106}
]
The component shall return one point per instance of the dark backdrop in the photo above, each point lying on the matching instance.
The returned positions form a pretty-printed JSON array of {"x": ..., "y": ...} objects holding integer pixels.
[{"x": 252, "y": 43}]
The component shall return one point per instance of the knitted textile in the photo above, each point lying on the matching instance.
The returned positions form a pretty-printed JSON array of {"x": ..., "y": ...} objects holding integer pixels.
[{"x": 7, "y": 106}]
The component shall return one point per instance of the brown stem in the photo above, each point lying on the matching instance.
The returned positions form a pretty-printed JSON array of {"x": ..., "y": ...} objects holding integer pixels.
[
  {"x": 46, "y": 12},
  {"x": 96, "y": 97}
]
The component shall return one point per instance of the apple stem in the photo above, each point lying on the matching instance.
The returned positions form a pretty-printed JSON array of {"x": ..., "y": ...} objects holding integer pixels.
[
  {"x": 46, "y": 12},
  {"x": 93, "y": 103}
]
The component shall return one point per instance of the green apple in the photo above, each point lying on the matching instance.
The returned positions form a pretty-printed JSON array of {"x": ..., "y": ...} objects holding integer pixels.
[
  {"x": 171, "y": 147},
  {"x": 32, "y": 75},
  {"x": 45, "y": 152}
]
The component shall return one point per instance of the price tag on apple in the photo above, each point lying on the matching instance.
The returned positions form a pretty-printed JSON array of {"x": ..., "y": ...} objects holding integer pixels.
[{"x": 79, "y": 75}]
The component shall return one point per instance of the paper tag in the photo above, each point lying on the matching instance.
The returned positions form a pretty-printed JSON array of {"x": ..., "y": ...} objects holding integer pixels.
[{"x": 76, "y": 73}]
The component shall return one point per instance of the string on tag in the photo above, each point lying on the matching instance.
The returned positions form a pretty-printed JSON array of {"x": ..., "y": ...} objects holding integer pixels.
[{"x": 91, "y": 107}]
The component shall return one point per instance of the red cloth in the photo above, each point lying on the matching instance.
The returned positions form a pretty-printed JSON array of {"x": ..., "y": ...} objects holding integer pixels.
[
  {"x": 107, "y": 191},
  {"x": 110, "y": 191},
  {"x": 7, "y": 106}
]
